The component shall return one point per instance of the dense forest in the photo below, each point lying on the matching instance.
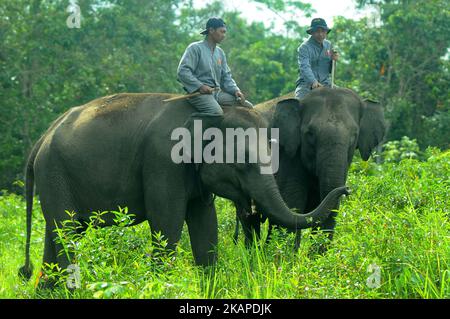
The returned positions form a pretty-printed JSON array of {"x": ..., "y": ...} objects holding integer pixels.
[{"x": 399, "y": 56}]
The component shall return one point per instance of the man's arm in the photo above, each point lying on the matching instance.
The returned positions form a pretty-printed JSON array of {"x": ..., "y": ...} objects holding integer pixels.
[
  {"x": 186, "y": 67},
  {"x": 304, "y": 63},
  {"x": 227, "y": 82},
  {"x": 334, "y": 56}
]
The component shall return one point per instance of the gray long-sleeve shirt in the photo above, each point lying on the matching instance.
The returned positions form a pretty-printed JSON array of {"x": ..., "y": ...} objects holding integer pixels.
[
  {"x": 314, "y": 63},
  {"x": 200, "y": 65}
]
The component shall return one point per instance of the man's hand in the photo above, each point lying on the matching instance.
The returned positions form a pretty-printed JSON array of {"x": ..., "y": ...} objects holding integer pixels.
[
  {"x": 240, "y": 95},
  {"x": 316, "y": 85},
  {"x": 204, "y": 89},
  {"x": 335, "y": 55}
]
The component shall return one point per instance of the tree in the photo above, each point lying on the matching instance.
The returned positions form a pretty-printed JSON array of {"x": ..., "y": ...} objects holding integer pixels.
[
  {"x": 402, "y": 59},
  {"x": 47, "y": 67}
]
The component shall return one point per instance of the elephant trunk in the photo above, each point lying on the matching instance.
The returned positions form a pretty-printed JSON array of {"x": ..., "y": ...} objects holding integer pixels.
[
  {"x": 328, "y": 183},
  {"x": 333, "y": 174},
  {"x": 268, "y": 197}
]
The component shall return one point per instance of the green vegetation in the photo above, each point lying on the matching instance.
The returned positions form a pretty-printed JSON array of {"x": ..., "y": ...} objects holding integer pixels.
[{"x": 395, "y": 223}]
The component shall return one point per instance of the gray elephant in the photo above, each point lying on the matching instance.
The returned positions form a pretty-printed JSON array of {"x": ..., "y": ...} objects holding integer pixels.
[
  {"x": 318, "y": 137},
  {"x": 117, "y": 151}
]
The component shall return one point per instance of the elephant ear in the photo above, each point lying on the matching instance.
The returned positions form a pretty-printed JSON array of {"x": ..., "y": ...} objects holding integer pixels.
[
  {"x": 372, "y": 128},
  {"x": 287, "y": 119}
]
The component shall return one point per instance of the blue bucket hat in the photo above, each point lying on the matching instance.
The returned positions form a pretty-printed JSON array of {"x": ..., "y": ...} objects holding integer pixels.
[{"x": 318, "y": 23}]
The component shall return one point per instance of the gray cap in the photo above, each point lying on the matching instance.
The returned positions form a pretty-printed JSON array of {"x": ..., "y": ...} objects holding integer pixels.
[{"x": 213, "y": 23}]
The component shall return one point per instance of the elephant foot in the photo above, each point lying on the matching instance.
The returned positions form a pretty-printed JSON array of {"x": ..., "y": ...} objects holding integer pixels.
[
  {"x": 318, "y": 250},
  {"x": 322, "y": 244},
  {"x": 298, "y": 239},
  {"x": 52, "y": 277},
  {"x": 236, "y": 231},
  {"x": 243, "y": 213},
  {"x": 207, "y": 285},
  {"x": 45, "y": 282}
]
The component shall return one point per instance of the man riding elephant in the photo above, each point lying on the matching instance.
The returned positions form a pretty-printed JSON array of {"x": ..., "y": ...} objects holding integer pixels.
[
  {"x": 314, "y": 59},
  {"x": 203, "y": 68},
  {"x": 318, "y": 136}
]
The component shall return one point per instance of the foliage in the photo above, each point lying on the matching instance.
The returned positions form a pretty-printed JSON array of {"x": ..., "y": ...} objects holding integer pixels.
[
  {"x": 121, "y": 46},
  {"x": 400, "y": 57},
  {"x": 395, "y": 221},
  {"x": 292, "y": 7},
  {"x": 395, "y": 151},
  {"x": 46, "y": 67}
]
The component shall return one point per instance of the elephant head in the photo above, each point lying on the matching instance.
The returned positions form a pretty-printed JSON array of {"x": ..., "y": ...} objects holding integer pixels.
[
  {"x": 323, "y": 130},
  {"x": 242, "y": 181}
]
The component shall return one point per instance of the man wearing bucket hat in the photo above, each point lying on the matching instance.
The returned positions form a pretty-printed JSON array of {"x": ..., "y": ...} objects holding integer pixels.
[
  {"x": 203, "y": 68},
  {"x": 314, "y": 59}
]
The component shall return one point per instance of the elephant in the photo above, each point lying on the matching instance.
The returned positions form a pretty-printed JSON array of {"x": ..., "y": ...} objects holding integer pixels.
[
  {"x": 117, "y": 151},
  {"x": 318, "y": 137}
]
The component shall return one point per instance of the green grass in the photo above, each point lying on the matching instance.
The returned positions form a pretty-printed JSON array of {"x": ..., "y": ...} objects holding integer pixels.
[{"x": 397, "y": 220}]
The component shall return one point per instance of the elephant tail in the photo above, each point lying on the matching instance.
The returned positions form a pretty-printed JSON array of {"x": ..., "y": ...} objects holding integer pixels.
[{"x": 27, "y": 270}]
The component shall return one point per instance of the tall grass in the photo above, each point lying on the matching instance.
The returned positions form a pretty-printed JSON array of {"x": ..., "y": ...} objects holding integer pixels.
[{"x": 395, "y": 225}]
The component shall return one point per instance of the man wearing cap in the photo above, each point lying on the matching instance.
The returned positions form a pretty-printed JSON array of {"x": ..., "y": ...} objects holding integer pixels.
[
  {"x": 203, "y": 68},
  {"x": 314, "y": 59}
]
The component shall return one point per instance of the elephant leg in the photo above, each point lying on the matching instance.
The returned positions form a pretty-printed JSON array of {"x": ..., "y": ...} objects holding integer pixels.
[
  {"x": 239, "y": 211},
  {"x": 169, "y": 223},
  {"x": 329, "y": 224},
  {"x": 55, "y": 201},
  {"x": 50, "y": 257},
  {"x": 251, "y": 224},
  {"x": 250, "y": 221},
  {"x": 270, "y": 231},
  {"x": 165, "y": 210},
  {"x": 54, "y": 254},
  {"x": 236, "y": 229},
  {"x": 298, "y": 239},
  {"x": 328, "y": 228},
  {"x": 201, "y": 219},
  {"x": 50, "y": 252}
]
